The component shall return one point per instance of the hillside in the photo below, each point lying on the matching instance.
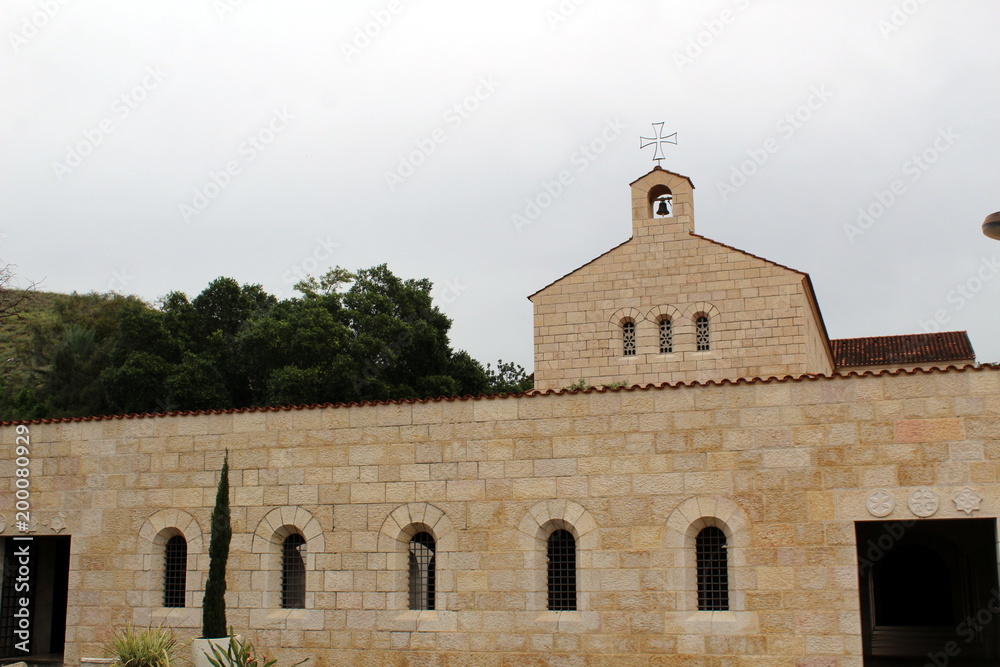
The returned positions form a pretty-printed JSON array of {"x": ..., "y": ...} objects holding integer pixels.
[{"x": 15, "y": 331}]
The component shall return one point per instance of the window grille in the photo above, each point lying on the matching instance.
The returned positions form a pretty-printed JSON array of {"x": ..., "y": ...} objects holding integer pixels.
[
  {"x": 293, "y": 572},
  {"x": 628, "y": 338},
  {"x": 713, "y": 570},
  {"x": 562, "y": 571},
  {"x": 422, "y": 572},
  {"x": 704, "y": 334},
  {"x": 666, "y": 336},
  {"x": 174, "y": 571}
]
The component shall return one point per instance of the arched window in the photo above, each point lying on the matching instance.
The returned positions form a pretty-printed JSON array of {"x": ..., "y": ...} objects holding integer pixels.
[
  {"x": 628, "y": 338},
  {"x": 666, "y": 336},
  {"x": 713, "y": 570},
  {"x": 175, "y": 571},
  {"x": 562, "y": 571},
  {"x": 422, "y": 574},
  {"x": 704, "y": 333},
  {"x": 293, "y": 572}
]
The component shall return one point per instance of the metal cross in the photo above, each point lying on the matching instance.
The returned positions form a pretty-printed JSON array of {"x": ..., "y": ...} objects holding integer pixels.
[{"x": 659, "y": 140}]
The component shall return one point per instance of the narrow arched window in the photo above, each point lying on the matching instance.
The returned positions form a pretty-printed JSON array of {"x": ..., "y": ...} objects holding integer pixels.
[
  {"x": 628, "y": 339},
  {"x": 293, "y": 572},
  {"x": 175, "y": 571},
  {"x": 704, "y": 333},
  {"x": 562, "y": 571},
  {"x": 422, "y": 572},
  {"x": 713, "y": 570},
  {"x": 666, "y": 336}
]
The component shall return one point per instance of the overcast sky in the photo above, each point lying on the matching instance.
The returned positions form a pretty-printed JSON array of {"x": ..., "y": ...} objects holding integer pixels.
[{"x": 154, "y": 146}]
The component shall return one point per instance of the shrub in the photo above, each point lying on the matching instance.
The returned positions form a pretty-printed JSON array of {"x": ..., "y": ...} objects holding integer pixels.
[{"x": 146, "y": 647}]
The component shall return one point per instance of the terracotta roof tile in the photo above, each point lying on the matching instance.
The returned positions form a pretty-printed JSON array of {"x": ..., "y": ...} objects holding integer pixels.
[
  {"x": 899, "y": 350},
  {"x": 527, "y": 394}
]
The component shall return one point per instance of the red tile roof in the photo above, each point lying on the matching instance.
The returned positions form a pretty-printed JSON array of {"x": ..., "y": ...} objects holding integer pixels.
[
  {"x": 528, "y": 394},
  {"x": 903, "y": 350}
]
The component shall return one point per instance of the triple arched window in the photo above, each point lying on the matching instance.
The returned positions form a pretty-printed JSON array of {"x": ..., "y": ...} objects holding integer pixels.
[
  {"x": 667, "y": 342},
  {"x": 422, "y": 572}
]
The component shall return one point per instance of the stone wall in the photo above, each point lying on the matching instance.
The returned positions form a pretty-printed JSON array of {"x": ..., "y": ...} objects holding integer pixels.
[{"x": 783, "y": 467}]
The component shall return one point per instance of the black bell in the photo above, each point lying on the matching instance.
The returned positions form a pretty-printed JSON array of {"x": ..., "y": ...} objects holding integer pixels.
[{"x": 662, "y": 209}]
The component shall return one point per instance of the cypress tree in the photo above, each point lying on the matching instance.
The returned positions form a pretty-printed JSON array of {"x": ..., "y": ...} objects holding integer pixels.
[{"x": 213, "y": 612}]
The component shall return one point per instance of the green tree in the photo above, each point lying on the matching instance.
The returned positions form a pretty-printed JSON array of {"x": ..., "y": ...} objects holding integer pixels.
[{"x": 213, "y": 614}]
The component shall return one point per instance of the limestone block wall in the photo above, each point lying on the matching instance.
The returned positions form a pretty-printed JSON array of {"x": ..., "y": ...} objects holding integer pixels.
[
  {"x": 761, "y": 320},
  {"x": 784, "y": 468}
]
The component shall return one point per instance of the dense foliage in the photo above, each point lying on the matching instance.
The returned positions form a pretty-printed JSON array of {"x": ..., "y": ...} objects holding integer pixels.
[{"x": 349, "y": 337}]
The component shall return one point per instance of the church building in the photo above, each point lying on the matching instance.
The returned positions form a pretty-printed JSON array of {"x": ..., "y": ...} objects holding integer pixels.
[{"x": 727, "y": 487}]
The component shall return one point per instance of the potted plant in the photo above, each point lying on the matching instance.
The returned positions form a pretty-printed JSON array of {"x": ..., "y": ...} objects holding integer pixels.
[{"x": 213, "y": 612}]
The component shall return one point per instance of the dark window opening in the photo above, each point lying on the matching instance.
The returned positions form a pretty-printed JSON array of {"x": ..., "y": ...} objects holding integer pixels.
[
  {"x": 562, "y": 571},
  {"x": 174, "y": 571},
  {"x": 713, "y": 570},
  {"x": 422, "y": 572},
  {"x": 293, "y": 572}
]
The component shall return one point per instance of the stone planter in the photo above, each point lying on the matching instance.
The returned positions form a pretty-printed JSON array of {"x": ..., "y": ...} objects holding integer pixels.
[{"x": 201, "y": 649}]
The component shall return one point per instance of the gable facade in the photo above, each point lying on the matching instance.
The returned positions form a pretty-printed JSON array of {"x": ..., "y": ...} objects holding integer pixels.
[{"x": 762, "y": 317}]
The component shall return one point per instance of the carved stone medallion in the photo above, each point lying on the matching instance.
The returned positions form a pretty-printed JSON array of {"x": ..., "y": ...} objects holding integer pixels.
[
  {"x": 968, "y": 501},
  {"x": 880, "y": 503},
  {"x": 923, "y": 503}
]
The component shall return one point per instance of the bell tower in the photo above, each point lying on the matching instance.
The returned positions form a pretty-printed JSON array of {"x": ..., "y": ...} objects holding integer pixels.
[{"x": 662, "y": 204}]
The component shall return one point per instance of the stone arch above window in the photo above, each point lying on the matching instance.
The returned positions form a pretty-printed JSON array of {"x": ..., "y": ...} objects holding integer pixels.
[
  {"x": 154, "y": 535},
  {"x": 685, "y": 523},
  {"x": 701, "y": 327},
  {"x": 535, "y": 529},
  {"x": 394, "y": 540},
  {"x": 625, "y": 327},
  {"x": 667, "y": 319},
  {"x": 269, "y": 540}
]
